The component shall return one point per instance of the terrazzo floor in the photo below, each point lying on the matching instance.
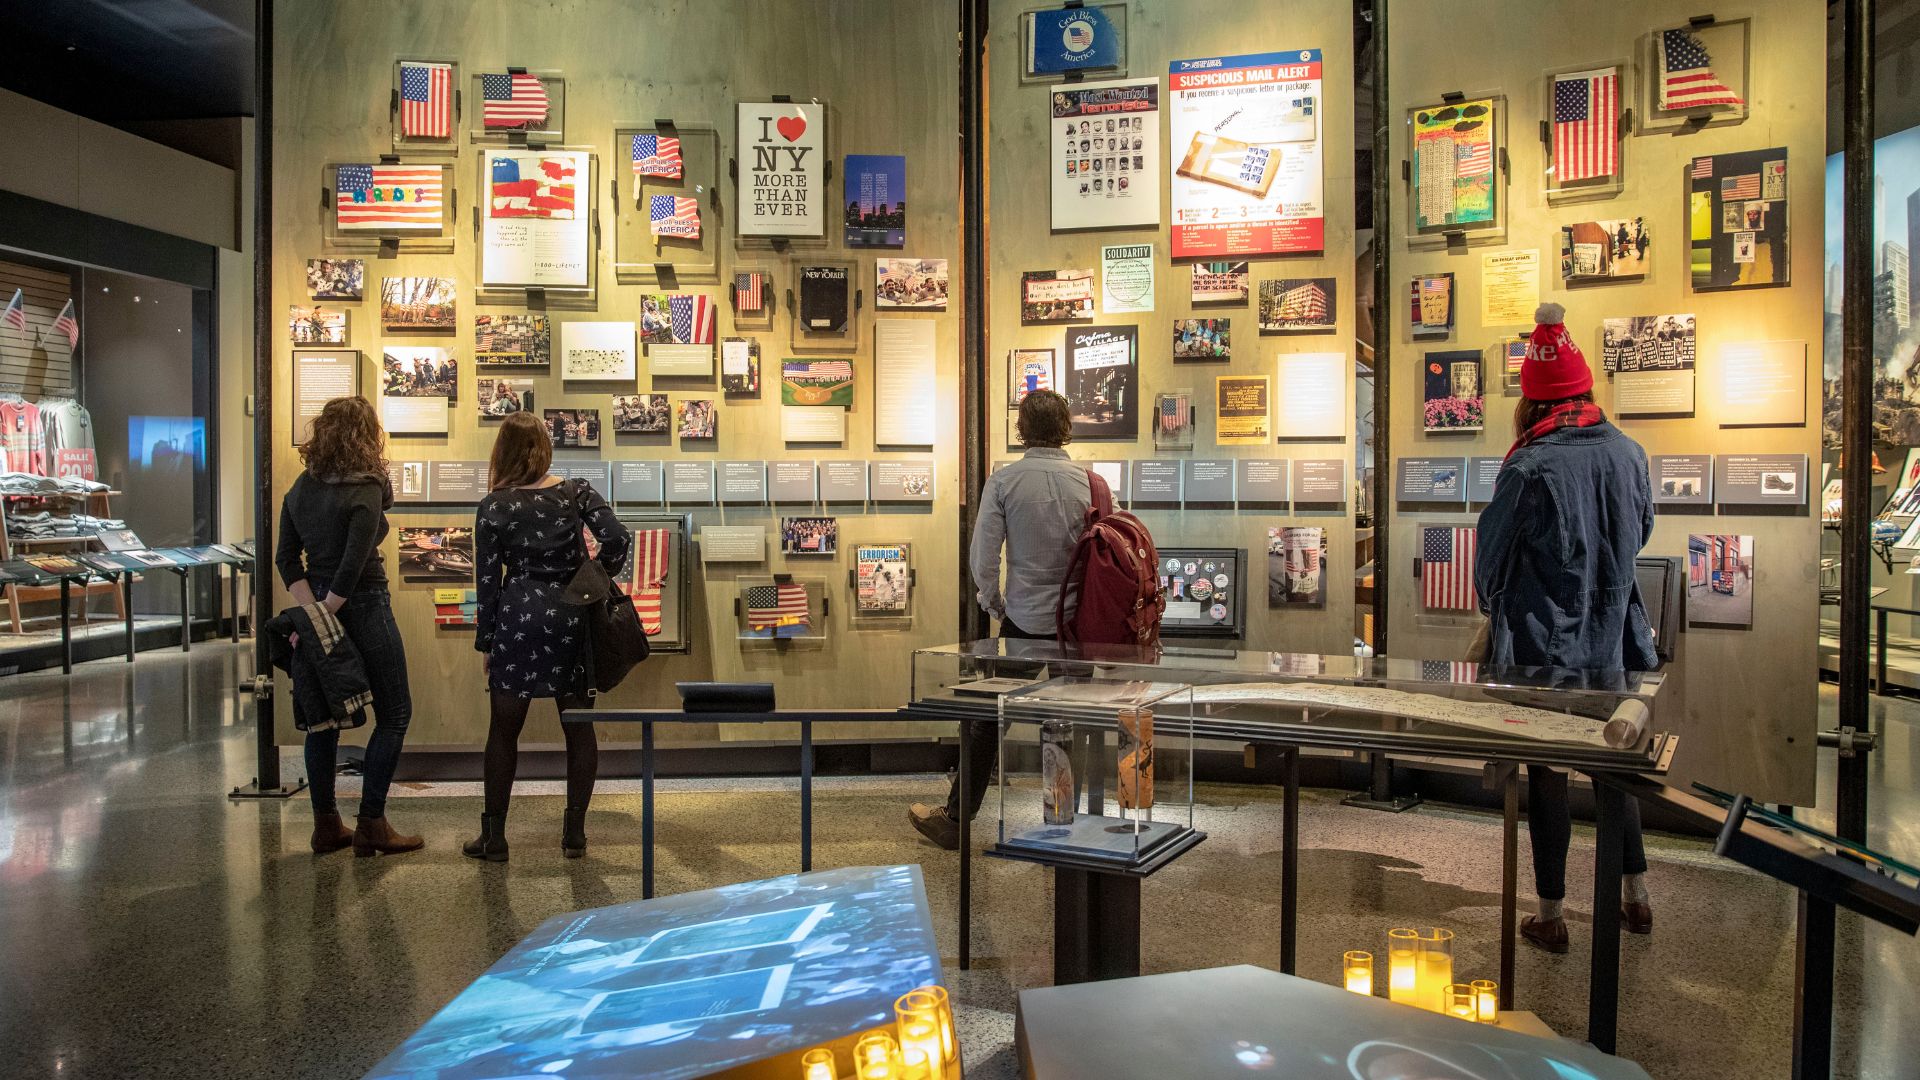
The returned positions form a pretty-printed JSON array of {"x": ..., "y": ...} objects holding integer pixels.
[{"x": 150, "y": 928}]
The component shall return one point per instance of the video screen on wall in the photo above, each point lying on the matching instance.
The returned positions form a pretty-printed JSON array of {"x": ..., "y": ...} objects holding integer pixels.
[{"x": 167, "y": 444}]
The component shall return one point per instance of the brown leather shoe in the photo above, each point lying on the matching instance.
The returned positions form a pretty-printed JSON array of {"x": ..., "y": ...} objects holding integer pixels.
[
  {"x": 375, "y": 835},
  {"x": 1636, "y": 918},
  {"x": 1549, "y": 934},
  {"x": 329, "y": 834},
  {"x": 935, "y": 825}
]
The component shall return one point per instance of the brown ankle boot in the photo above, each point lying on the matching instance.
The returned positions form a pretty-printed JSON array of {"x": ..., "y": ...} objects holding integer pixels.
[
  {"x": 329, "y": 833},
  {"x": 375, "y": 835}
]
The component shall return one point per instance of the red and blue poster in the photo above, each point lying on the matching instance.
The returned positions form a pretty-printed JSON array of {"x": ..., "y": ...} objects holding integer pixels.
[{"x": 1246, "y": 152}]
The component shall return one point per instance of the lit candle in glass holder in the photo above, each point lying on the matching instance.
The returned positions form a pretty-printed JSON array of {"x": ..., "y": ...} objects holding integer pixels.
[
  {"x": 917, "y": 1017},
  {"x": 817, "y": 1064},
  {"x": 1457, "y": 999},
  {"x": 1486, "y": 1001},
  {"x": 1358, "y": 967},
  {"x": 1436, "y": 969},
  {"x": 876, "y": 1057},
  {"x": 1403, "y": 960}
]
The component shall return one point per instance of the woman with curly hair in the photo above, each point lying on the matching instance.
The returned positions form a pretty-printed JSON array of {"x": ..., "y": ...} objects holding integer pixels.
[{"x": 332, "y": 521}]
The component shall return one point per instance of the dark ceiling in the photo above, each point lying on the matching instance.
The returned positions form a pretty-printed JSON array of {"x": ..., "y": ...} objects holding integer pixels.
[{"x": 126, "y": 61}]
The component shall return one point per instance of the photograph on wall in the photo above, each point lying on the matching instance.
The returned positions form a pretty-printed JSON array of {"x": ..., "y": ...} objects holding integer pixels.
[
  {"x": 739, "y": 366},
  {"x": 1029, "y": 370},
  {"x": 1126, "y": 278},
  {"x": 1720, "y": 581},
  {"x": 826, "y": 298},
  {"x": 1103, "y": 386},
  {"x": 501, "y": 398},
  {"x": 1584, "y": 154},
  {"x": 641, "y": 414},
  {"x": 417, "y": 304},
  {"x": 417, "y": 371},
  {"x": 697, "y": 418},
  {"x": 1700, "y": 70},
  {"x": 1433, "y": 305},
  {"x": 1173, "y": 420},
  {"x": 1453, "y": 395},
  {"x": 534, "y": 228},
  {"x": 1896, "y": 341},
  {"x": 1246, "y": 154},
  {"x": 337, "y": 279},
  {"x": 676, "y": 319},
  {"x": 1737, "y": 220},
  {"x": 1456, "y": 148},
  {"x": 512, "y": 340},
  {"x": 1296, "y": 566},
  {"x": 1297, "y": 306},
  {"x": 1243, "y": 410},
  {"x": 782, "y": 171},
  {"x": 573, "y": 429},
  {"x": 809, "y": 536},
  {"x": 1104, "y": 171},
  {"x": 1056, "y": 295},
  {"x": 1202, "y": 339},
  {"x": 1604, "y": 250},
  {"x": 436, "y": 553},
  {"x": 1648, "y": 343},
  {"x": 917, "y": 284},
  {"x": 1220, "y": 283},
  {"x": 317, "y": 325},
  {"x": 389, "y": 198},
  {"x": 876, "y": 200},
  {"x": 881, "y": 580},
  {"x": 597, "y": 351},
  {"x": 816, "y": 382}
]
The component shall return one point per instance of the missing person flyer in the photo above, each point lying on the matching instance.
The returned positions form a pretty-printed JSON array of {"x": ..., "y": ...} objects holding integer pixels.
[
  {"x": 1246, "y": 154},
  {"x": 1105, "y": 164}
]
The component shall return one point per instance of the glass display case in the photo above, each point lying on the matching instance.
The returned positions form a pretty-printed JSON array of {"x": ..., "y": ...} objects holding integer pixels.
[
  {"x": 1579, "y": 719},
  {"x": 1092, "y": 768}
]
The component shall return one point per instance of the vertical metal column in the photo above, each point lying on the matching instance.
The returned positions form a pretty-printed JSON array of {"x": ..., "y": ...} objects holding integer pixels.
[
  {"x": 974, "y": 376},
  {"x": 1383, "y": 294},
  {"x": 1856, "y": 390}
]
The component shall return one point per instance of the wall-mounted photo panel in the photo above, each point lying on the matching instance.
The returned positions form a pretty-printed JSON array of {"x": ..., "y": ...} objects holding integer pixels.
[
  {"x": 678, "y": 331},
  {"x": 1103, "y": 384},
  {"x": 739, "y": 366},
  {"x": 418, "y": 305},
  {"x": 597, "y": 352},
  {"x": 781, "y": 169},
  {"x": 317, "y": 324},
  {"x": 337, "y": 279},
  {"x": 1648, "y": 343},
  {"x": 910, "y": 284},
  {"x": 1226, "y": 283},
  {"x": 1454, "y": 399},
  {"x": 1298, "y": 306},
  {"x": 1048, "y": 296},
  {"x": 1029, "y": 370},
  {"x": 573, "y": 429},
  {"x": 512, "y": 341},
  {"x": 641, "y": 414},
  {"x": 1604, "y": 250},
  {"x": 1296, "y": 566},
  {"x": 436, "y": 553},
  {"x": 1720, "y": 581},
  {"x": 882, "y": 583},
  {"x": 1104, "y": 155},
  {"x": 497, "y": 399},
  {"x": 816, "y": 382},
  {"x": 809, "y": 536},
  {"x": 697, "y": 418},
  {"x": 1202, "y": 339},
  {"x": 1737, "y": 220}
]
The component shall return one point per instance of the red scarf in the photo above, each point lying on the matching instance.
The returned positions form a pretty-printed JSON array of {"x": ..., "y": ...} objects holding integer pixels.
[{"x": 1564, "y": 415}]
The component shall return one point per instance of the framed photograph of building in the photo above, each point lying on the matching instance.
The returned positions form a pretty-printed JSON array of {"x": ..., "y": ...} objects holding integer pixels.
[{"x": 1298, "y": 306}]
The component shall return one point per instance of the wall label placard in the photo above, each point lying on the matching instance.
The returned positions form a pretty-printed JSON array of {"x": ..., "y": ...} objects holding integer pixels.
[
  {"x": 1262, "y": 482},
  {"x": 733, "y": 543},
  {"x": 1430, "y": 479},
  {"x": 458, "y": 481},
  {"x": 690, "y": 483},
  {"x": 792, "y": 482},
  {"x": 843, "y": 481},
  {"x": 1208, "y": 481},
  {"x": 741, "y": 483},
  {"x": 1321, "y": 481},
  {"x": 1156, "y": 482},
  {"x": 1482, "y": 473},
  {"x": 639, "y": 482},
  {"x": 902, "y": 481},
  {"x": 1760, "y": 479},
  {"x": 1682, "y": 479}
]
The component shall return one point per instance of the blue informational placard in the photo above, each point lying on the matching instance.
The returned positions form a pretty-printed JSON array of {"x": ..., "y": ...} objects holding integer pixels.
[{"x": 1072, "y": 39}]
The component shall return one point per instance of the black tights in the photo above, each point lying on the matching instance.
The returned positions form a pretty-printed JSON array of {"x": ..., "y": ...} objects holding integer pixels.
[{"x": 503, "y": 751}]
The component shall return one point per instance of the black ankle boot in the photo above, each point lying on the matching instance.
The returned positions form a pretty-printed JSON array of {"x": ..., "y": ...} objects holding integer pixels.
[
  {"x": 573, "y": 838},
  {"x": 491, "y": 844}
]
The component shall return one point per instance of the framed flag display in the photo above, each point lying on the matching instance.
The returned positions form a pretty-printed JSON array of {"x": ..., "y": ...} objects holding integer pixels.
[
  {"x": 1457, "y": 170},
  {"x": 781, "y": 608},
  {"x": 515, "y": 105},
  {"x": 751, "y": 291},
  {"x": 409, "y": 202},
  {"x": 657, "y": 578},
  {"x": 1446, "y": 568},
  {"x": 666, "y": 223},
  {"x": 426, "y": 106},
  {"x": 1584, "y": 131},
  {"x": 1737, "y": 229},
  {"x": 782, "y": 170},
  {"x": 1697, "y": 74},
  {"x": 535, "y": 231}
]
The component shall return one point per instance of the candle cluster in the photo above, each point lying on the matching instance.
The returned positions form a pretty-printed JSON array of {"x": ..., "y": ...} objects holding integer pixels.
[
  {"x": 919, "y": 1046},
  {"x": 1420, "y": 973}
]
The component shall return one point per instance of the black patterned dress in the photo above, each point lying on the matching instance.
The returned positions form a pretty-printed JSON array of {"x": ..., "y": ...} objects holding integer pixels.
[{"x": 527, "y": 544}]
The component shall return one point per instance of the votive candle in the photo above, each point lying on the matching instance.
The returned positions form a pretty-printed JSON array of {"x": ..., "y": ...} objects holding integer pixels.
[
  {"x": 917, "y": 1017},
  {"x": 1403, "y": 949},
  {"x": 1458, "y": 1001},
  {"x": 1358, "y": 967},
  {"x": 1486, "y": 1001},
  {"x": 817, "y": 1064},
  {"x": 1436, "y": 969},
  {"x": 876, "y": 1057}
]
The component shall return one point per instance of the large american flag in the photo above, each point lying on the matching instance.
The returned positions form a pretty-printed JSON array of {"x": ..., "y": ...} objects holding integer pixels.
[
  {"x": 673, "y": 215},
  {"x": 388, "y": 197},
  {"x": 1446, "y": 568},
  {"x": 544, "y": 191},
  {"x": 426, "y": 100},
  {"x": 68, "y": 325},
  {"x": 770, "y": 606},
  {"x": 692, "y": 318},
  {"x": 749, "y": 291},
  {"x": 1740, "y": 187},
  {"x": 512, "y": 101},
  {"x": 649, "y": 575},
  {"x": 1688, "y": 78},
  {"x": 1586, "y": 107},
  {"x": 656, "y": 155},
  {"x": 16, "y": 315}
]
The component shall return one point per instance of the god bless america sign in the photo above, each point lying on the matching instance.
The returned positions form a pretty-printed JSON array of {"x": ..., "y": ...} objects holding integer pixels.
[{"x": 782, "y": 169}]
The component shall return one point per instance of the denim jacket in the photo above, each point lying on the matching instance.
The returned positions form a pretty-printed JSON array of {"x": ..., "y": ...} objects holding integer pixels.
[{"x": 1554, "y": 561}]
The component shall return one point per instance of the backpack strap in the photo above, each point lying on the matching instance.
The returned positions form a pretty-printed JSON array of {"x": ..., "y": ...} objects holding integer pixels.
[
  {"x": 1063, "y": 631},
  {"x": 1102, "y": 497}
]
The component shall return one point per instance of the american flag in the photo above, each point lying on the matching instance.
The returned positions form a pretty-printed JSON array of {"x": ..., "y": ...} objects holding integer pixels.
[
  {"x": 68, "y": 325},
  {"x": 1586, "y": 106},
  {"x": 1303, "y": 304},
  {"x": 1449, "y": 671},
  {"x": 1740, "y": 187},
  {"x": 483, "y": 334},
  {"x": 673, "y": 215},
  {"x": 649, "y": 575},
  {"x": 544, "y": 191},
  {"x": 16, "y": 315},
  {"x": 1702, "y": 168},
  {"x": 1475, "y": 157},
  {"x": 512, "y": 101},
  {"x": 1446, "y": 568},
  {"x": 1173, "y": 412},
  {"x": 749, "y": 291},
  {"x": 388, "y": 197},
  {"x": 692, "y": 319},
  {"x": 656, "y": 155},
  {"x": 822, "y": 371},
  {"x": 770, "y": 606},
  {"x": 426, "y": 100},
  {"x": 1689, "y": 78}
]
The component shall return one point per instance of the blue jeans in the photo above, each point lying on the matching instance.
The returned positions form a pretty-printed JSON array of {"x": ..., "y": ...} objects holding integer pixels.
[{"x": 368, "y": 621}]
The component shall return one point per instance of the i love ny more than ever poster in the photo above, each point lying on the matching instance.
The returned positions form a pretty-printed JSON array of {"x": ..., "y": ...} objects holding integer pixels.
[{"x": 782, "y": 169}]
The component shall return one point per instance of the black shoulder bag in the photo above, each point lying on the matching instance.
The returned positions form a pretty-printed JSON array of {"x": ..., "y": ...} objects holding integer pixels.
[{"x": 615, "y": 641}]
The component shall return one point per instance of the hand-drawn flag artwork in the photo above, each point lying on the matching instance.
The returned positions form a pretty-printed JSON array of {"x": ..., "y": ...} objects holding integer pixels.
[
  {"x": 773, "y": 606},
  {"x": 1475, "y": 158},
  {"x": 512, "y": 101},
  {"x": 546, "y": 190},
  {"x": 1586, "y": 111},
  {"x": 16, "y": 314},
  {"x": 385, "y": 197},
  {"x": 1446, "y": 568},
  {"x": 426, "y": 100},
  {"x": 68, "y": 325},
  {"x": 750, "y": 292},
  {"x": 656, "y": 155},
  {"x": 649, "y": 575},
  {"x": 674, "y": 215},
  {"x": 692, "y": 319},
  {"x": 1737, "y": 188},
  {"x": 1687, "y": 77}
]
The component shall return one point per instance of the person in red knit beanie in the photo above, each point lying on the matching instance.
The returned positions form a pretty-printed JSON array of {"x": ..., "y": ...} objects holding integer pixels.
[{"x": 1555, "y": 368}]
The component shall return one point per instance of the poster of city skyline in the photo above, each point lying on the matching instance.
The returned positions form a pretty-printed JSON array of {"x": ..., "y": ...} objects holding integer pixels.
[{"x": 1896, "y": 234}]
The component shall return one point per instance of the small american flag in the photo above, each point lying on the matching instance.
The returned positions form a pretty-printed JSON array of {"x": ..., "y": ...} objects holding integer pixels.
[
  {"x": 426, "y": 100},
  {"x": 1585, "y": 110},
  {"x": 1446, "y": 568},
  {"x": 673, "y": 215},
  {"x": 649, "y": 575},
  {"x": 1689, "y": 80},
  {"x": 1702, "y": 168},
  {"x": 68, "y": 325},
  {"x": 1475, "y": 158},
  {"x": 692, "y": 319},
  {"x": 388, "y": 197},
  {"x": 16, "y": 314},
  {"x": 771, "y": 606},
  {"x": 1449, "y": 671},
  {"x": 656, "y": 155},
  {"x": 512, "y": 101},
  {"x": 1740, "y": 187},
  {"x": 749, "y": 291}
]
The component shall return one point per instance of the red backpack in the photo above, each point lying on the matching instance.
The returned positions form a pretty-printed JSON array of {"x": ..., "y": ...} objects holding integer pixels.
[{"x": 1117, "y": 569}]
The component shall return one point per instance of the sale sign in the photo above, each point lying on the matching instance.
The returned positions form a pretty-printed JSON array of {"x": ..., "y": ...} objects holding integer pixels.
[
  {"x": 782, "y": 169},
  {"x": 1246, "y": 147}
]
